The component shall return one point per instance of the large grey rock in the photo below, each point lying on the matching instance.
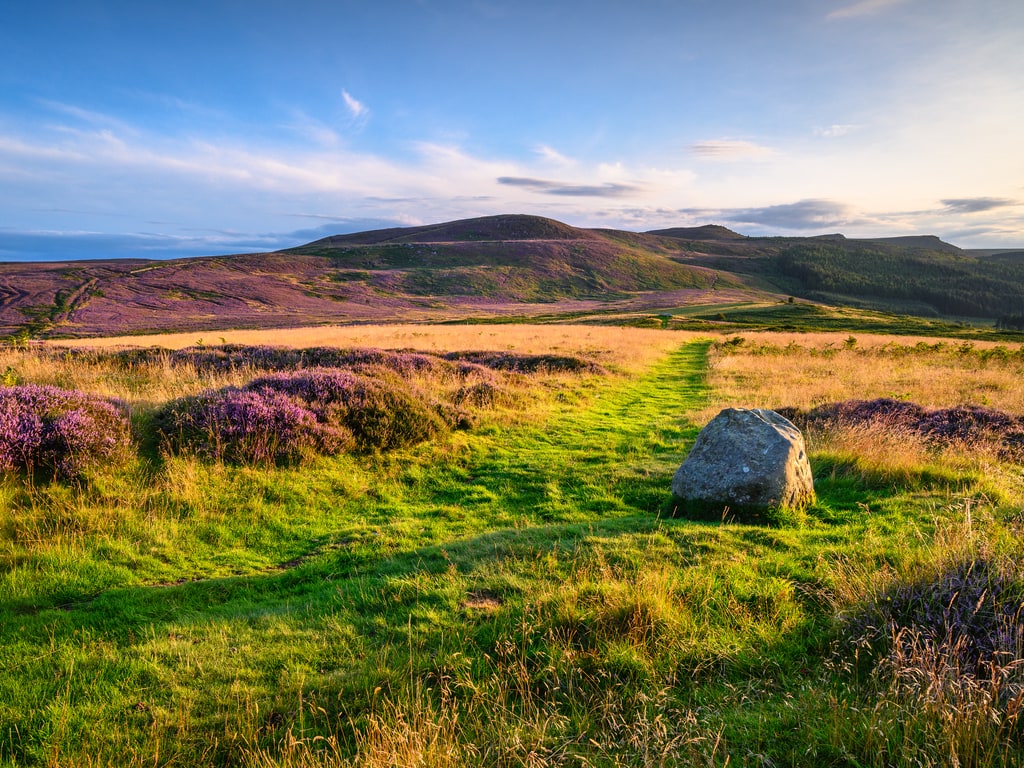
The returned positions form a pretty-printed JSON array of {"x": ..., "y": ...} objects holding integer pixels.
[{"x": 747, "y": 458}]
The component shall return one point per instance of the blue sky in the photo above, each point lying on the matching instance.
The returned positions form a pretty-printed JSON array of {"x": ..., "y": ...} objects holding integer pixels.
[{"x": 158, "y": 129}]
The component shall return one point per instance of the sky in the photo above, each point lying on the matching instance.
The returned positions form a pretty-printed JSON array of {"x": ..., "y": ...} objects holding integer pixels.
[{"x": 165, "y": 129}]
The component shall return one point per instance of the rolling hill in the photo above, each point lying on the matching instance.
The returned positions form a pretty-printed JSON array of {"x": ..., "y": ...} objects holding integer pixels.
[{"x": 498, "y": 267}]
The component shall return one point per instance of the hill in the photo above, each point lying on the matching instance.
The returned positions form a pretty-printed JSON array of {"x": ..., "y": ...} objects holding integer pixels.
[
  {"x": 501, "y": 228},
  {"x": 917, "y": 276},
  {"x": 928, "y": 242},
  {"x": 512, "y": 267},
  {"x": 707, "y": 232},
  {"x": 499, "y": 266}
]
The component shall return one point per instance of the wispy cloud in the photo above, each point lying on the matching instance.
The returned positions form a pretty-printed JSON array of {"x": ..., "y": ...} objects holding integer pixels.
[
  {"x": 553, "y": 156},
  {"x": 731, "y": 149},
  {"x": 356, "y": 108},
  {"x": 89, "y": 116},
  {"x": 976, "y": 204},
  {"x": 834, "y": 131},
  {"x": 314, "y": 130},
  {"x": 569, "y": 190},
  {"x": 863, "y": 8}
]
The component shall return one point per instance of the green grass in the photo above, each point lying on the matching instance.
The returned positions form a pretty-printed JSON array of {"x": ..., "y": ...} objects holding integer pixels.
[
  {"x": 511, "y": 596},
  {"x": 805, "y": 317}
]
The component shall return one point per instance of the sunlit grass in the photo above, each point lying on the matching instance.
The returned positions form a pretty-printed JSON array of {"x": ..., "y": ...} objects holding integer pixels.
[{"x": 510, "y": 595}]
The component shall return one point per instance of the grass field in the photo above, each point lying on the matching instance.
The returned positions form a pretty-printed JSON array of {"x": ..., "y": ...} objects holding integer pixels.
[{"x": 519, "y": 593}]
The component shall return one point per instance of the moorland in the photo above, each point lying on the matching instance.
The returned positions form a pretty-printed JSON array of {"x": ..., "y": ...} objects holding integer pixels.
[
  {"x": 454, "y": 544},
  {"x": 514, "y": 268}
]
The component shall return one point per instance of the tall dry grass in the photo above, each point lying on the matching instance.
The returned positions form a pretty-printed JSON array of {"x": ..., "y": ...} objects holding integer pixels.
[
  {"x": 138, "y": 385},
  {"x": 771, "y": 370},
  {"x": 628, "y": 348}
]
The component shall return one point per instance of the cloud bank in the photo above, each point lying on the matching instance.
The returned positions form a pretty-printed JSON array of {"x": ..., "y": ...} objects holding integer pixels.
[
  {"x": 976, "y": 204},
  {"x": 569, "y": 190}
]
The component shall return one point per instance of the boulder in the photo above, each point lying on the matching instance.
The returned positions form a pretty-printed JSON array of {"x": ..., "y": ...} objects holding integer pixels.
[{"x": 748, "y": 460}]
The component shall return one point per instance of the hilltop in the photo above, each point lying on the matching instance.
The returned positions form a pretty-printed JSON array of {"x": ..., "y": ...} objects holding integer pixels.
[{"x": 511, "y": 267}]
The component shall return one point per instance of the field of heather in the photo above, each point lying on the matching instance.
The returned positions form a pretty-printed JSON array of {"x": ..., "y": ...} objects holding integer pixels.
[{"x": 452, "y": 545}]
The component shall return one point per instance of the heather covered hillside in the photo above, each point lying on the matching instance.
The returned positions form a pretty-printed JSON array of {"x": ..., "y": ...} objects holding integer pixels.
[
  {"x": 519, "y": 266},
  {"x": 502, "y": 268}
]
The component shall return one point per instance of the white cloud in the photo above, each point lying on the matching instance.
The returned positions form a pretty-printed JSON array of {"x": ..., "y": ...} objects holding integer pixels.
[
  {"x": 311, "y": 129},
  {"x": 863, "y": 8},
  {"x": 731, "y": 149},
  {"x": 356, "y": 108},
  {"x": 88, "y": 116}
]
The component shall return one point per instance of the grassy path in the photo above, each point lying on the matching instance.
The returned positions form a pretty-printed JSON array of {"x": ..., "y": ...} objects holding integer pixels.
[{"x": 116, "y": 659}]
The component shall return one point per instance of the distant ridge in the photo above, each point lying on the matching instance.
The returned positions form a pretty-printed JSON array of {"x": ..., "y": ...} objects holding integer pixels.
[
  {"x": 504, "y": 228},
  {"x": 707, "y": 232},
  {"x": 931, "y": 242},
  {"x": 500, "y": 268}
]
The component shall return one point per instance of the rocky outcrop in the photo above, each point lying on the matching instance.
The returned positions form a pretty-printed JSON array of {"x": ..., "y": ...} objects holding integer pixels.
[{"x": 748, "y": 460}]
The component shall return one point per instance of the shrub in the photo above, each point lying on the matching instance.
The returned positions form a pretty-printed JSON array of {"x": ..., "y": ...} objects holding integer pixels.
[
  {"x": 257, "y": 426},
  {"x": 947, "y": 684},
  {"x": 522, "y": 363},
  {"x": 973, "y": 607},
  {"x": 283, "y": 416},
  {"x": 381, "y": 414},
  {"x": 59, "y": 432},
  {"x": 483, "y": 394},
  {"x": 267, "y": 358},
  {"x": 961, "y": 424}
]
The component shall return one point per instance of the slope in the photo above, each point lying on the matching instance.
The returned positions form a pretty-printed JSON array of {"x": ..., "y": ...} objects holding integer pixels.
[{"x": 500, "y": 266}]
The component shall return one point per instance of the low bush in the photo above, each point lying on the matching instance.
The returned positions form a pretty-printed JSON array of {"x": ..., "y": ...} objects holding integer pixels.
[
  {"x": 59, "y": 432},
  {"x": 946, "y": 682},
  {"x": 963, "y": 424},
  {"x": 249, "y": 426},
  {"x": 282, "y": 417},
  {"x": 522, "y": 363},
  {"x": 269, "y": 358},
  {"x": 381, "y": 414},
  {"x": 973, "y": 607}
]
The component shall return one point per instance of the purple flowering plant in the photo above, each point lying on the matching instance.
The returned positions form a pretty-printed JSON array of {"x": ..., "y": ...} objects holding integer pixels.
[
  {"x": 60, "y": 432},
  {"x": 960, "y": 424},
  {"x": 282, "y": 417}
]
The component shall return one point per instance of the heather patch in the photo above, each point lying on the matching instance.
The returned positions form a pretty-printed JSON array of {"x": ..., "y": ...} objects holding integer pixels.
[
  {"x": 947, "y": 667},
  {"x": 482, "y": 394},
  {"x": 972, "y": 611},
  {"x": 382, "y": 414},
  {"x": 523, "y": 363},
  {"x": 226, "y": 357},
  {"x": 59, "y": 432},
  {"x": 964, "y": 424},
  {"x": 269, "y": 358},
  {"x": 223, "y": 358},
  {"x": 282, "y": 417},
  {"x": 249, "y": 426}
]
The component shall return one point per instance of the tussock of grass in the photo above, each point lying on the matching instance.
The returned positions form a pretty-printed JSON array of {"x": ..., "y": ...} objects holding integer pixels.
[{"x": 934, "y": 651}]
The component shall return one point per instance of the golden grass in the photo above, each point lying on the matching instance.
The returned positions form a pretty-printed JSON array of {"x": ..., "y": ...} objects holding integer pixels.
[
  {"x": 771, "y": 370},
  {"x": 768, "y": 370},
  {"x": 629, "y": 348},
  {"x": 141, "y": 385}
]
